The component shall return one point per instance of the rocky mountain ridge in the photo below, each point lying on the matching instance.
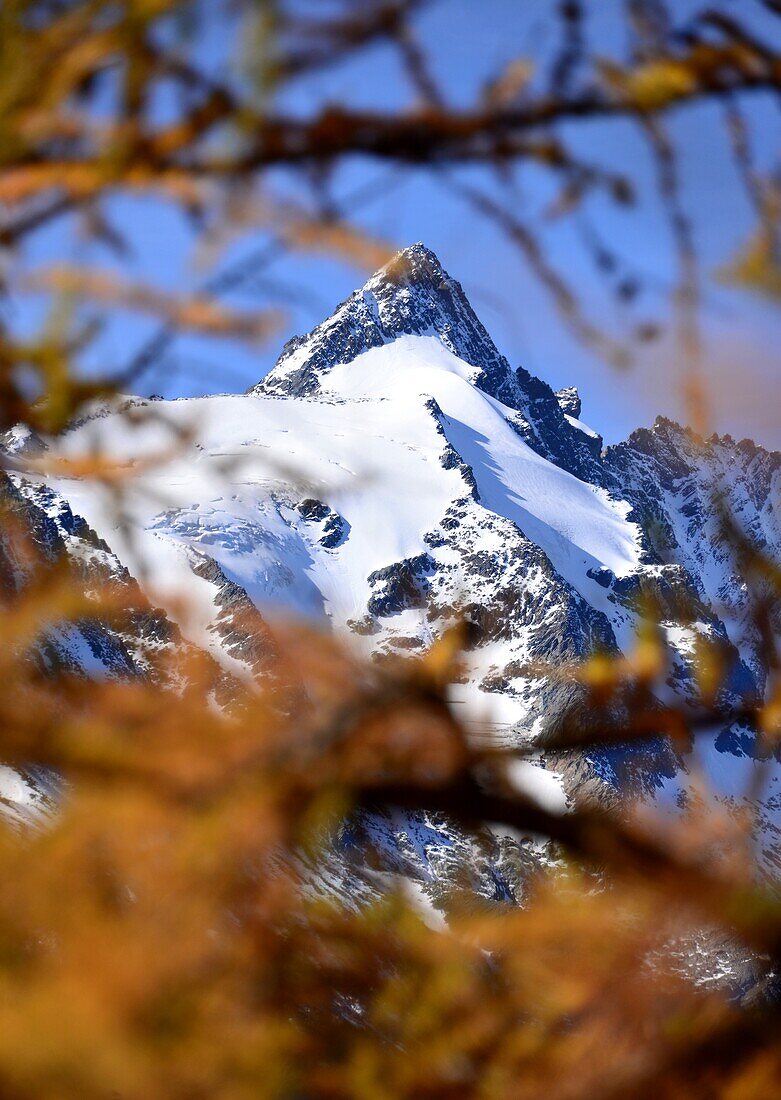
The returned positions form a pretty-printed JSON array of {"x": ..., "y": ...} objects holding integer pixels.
[{"x": 393, "y": 473}]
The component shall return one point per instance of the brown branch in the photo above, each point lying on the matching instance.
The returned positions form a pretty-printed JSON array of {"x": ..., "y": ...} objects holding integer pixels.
[
  {"x": 648, "y": 726},
  {"x": 335, "y": 39},
  {"x": 427, "y": 137},
  {"x": 198, "y": 311},
  {"x": 416, "y": 66},
  {"x": 688, "y": 289},
  {"x": 563, "y": 296},
  {"x": 570, "y": 56},
  {"x": 602, "y": 840},
  {"x": 423, "y": 137}
]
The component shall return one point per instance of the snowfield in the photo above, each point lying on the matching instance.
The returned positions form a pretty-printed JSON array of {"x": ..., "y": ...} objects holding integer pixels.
[{"x": 231, "y": 470}]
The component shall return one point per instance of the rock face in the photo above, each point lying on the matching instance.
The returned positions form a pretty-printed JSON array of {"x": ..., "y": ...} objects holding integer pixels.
[
  {"x": 55, "y": 534},
  {"x": 414, "y": 296},
  {"x": 393, "y": 474},
  {"x": 680, "y": 488}
]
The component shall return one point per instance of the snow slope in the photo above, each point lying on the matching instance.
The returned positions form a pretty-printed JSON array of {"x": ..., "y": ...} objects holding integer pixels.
[
  {"x": 304, "y": 502},
  {"x": 371, "y": 447},
  {"x": 393, "y": 473}
]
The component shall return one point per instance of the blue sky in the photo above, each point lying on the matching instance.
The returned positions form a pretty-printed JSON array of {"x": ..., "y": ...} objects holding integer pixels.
[{"x": 468, "y": 41}]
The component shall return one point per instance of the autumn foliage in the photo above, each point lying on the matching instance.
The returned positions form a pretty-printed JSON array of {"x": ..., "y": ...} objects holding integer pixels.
[{"x": 158, "y": 936}]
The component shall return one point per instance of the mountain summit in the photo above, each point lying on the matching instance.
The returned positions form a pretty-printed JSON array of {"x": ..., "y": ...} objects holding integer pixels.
[
  {"x": 413, "y": 295},
  {"x": 393, "y": 475}
]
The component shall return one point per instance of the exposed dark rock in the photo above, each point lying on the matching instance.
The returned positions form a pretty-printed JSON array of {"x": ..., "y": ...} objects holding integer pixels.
[
  {"x": 335, "y": 527},
  {"x": 569, "y": 401},
  {"x": 400, "y": 586}
]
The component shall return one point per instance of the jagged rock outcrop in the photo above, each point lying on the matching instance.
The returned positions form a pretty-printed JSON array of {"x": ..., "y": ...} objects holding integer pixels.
[{"x": 691, "y": 495}]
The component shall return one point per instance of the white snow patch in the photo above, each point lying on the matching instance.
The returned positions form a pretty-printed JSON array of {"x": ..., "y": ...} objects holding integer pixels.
[
  {"x": 538, "y": 783},
  {"x": 581, "y": 427}
]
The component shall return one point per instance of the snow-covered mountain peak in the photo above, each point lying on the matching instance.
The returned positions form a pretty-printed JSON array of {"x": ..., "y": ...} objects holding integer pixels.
[
  {"x": 393, "y": 475},
  {"x": 413, "y": 295}
]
